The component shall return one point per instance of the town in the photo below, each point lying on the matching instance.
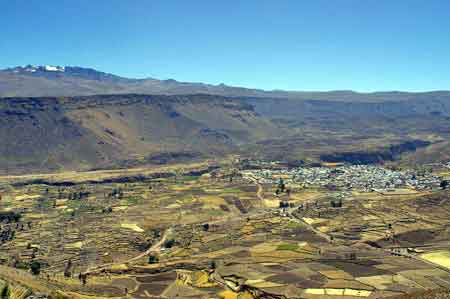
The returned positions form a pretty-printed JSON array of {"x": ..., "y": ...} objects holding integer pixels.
[{"x": 365, "y": 178}]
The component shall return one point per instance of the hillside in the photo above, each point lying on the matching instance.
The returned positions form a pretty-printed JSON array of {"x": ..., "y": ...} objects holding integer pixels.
[
  {"x": 73, "y": 118},
  {"x": 79, "y": 133},
  {"x": 105, "y": 131}
]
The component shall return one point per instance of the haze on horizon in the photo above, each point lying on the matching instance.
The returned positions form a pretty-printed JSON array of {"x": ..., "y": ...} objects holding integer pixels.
[{"x": 293, "y": 45}]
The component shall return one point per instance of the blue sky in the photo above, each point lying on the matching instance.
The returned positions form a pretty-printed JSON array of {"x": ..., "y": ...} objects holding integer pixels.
[{"x": 364, "y": 45}]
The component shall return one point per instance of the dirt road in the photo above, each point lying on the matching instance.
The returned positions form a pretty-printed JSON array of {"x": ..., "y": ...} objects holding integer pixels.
[
  {"x": 154, "y": 248},
  {"x": 259, "y": 192}
]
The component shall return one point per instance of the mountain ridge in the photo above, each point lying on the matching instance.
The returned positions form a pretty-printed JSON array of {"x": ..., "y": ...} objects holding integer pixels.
[
  {"x": 48, "y": 80},
  {"x": 55, "y": 118}
]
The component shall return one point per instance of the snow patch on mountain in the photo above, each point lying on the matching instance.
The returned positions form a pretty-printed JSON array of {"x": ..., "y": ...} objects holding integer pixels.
[
  {"x": 50, "y": 68},
  {"x": 33, "y": 69}
]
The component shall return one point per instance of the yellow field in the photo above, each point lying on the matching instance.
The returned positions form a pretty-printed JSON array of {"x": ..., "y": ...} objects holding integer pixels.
[
  {"x": 439, "y": 257},
  {"x": 132, "y": 226},
  {"x": 339, "y": 292},
  {"x": 25, "y": 197}
]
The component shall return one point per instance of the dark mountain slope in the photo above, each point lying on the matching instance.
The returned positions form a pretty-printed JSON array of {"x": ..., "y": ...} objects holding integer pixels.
[
  {"x": 291, "y": 108},
  {"x": 53, "y": 134},
  {"x": 357, "y": 132},
  {"x": 46, "y": 134},
  {"x": 37, "y": 135}
]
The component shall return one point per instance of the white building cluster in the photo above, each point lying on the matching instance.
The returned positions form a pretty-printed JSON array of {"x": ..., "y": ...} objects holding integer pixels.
[{"x": 360, "y": 177}]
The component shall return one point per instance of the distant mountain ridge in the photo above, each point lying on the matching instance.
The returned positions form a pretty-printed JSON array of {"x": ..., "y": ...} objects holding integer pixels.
[
  {"x": 51, "y": 71},
  {"x": 56, "y": 81}
]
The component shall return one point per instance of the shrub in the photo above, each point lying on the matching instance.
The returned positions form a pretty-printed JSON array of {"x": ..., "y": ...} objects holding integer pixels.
[
  {"x": 169, "y": 243},
  {"x": 152, "y": 259},
  {"x": 35, "y": 267}
]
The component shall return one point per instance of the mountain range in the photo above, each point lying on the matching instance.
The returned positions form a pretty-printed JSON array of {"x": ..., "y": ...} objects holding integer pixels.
[
  {"x": 56, "y": 81},
  {"x": 69, "y": 118}
]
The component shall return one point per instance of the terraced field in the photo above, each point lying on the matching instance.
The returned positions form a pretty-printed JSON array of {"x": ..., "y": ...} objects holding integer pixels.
[{"x": 216, "y": 235}]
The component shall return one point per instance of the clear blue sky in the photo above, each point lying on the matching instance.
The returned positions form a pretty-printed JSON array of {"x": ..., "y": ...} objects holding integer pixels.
[{"x": 364, "y": 45}]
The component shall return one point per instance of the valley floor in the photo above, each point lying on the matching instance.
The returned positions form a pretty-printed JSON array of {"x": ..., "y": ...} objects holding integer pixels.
[{"x": 211, "y": 231}]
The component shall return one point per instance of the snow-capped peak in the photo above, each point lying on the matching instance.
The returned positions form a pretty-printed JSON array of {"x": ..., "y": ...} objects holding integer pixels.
[
  {"x": 33, "y": 69},
  {"x": 53, "y": 71},
  {"x": 50, "y": 68}
]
